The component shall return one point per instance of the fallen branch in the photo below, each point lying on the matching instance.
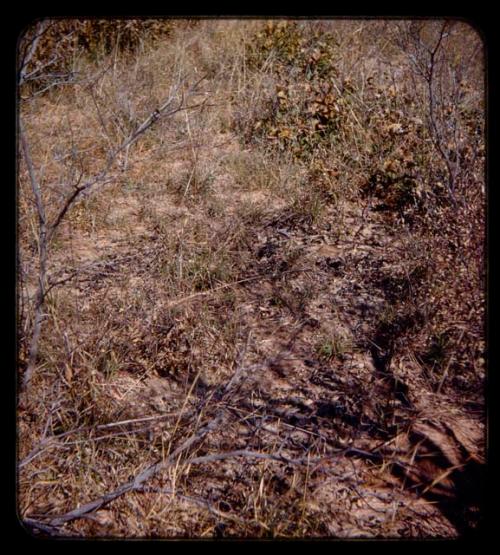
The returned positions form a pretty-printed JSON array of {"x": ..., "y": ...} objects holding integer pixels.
[
  {"x": 33, "y": 525},
  {"x": 148, "y": 473},
  {"x": 152, "y": 470},
  {"x": 191, "y": 499},
  {"x": 137, "y": 483},
  {"x": 142, "y": 477},
  {"x": 250, "y": 454}
]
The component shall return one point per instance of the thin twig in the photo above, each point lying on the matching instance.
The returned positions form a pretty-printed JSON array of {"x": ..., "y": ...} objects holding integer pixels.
[
  {"x": 50, "y": 441},
  {"x": 27, "y": 56},
  {"x": 183, "y": 300}
]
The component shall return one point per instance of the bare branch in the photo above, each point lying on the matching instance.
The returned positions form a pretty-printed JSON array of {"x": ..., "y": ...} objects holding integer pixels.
[
  {"x": 424, "y": 60},
  {"x": 147, "y": 474},
  {"x": 27, "y": 56},
  {"x": 51, "y": 441},
  {"x": 436, "y": 135},
  {"x": 191, "y": 499},
  {"x": 43, "y": 253},
  {"x": 162, "y": 112},
  {"x": 41, "y": 527},
  {"x": 47, "y": 231}
]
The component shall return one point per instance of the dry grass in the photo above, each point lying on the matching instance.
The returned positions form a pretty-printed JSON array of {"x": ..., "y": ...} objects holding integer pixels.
[{"x": 272, "y": 295}]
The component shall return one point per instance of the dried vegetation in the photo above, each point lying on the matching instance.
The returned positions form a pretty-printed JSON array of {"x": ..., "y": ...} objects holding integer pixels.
[{"x": 265, "y": 316}]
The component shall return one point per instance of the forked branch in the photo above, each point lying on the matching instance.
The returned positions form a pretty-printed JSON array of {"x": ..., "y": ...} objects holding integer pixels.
[{"x": 46, "y": 230}]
